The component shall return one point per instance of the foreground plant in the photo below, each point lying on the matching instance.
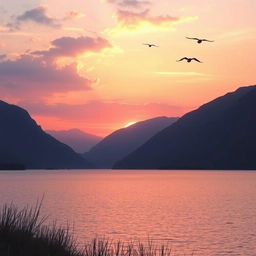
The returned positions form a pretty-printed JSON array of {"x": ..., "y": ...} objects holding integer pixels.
[{"x": 24, "y": 233}]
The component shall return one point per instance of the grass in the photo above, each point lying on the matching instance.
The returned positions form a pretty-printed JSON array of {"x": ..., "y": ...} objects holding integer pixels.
[
  {"x": 23, "y": 233},
  {"x": 105, "y": 247}
]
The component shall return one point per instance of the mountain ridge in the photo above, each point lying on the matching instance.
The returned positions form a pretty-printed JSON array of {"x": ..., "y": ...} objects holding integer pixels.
[
  {"x": 201, "y": 139},
  {"x": 27, "y": 144},
  {"x": 123, "y": 141},
  {"x": 78, "y": 140}
]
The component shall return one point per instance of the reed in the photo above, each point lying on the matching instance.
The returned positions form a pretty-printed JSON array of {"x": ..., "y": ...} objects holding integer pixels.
[{"x": 24, "y": 233}]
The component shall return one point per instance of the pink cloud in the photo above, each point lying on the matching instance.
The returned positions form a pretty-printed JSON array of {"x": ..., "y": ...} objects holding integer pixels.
[
  {"x": 37, "y": 75},
  {"x": 72, "y": 47},
  {"x": 29, "y": 76},
  {"x": 133, "y": 19}
]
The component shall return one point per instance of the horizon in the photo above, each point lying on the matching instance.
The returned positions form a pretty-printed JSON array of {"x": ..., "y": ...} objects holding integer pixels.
[{"x": 86, "y": 67}]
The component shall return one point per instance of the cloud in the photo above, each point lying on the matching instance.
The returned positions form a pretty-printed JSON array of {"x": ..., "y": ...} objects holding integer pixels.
[
  {"x": 135, "y": 16},
  {"x": 36, "y": 74},
  {"x": 37, "y": 15},
  {"x": 144, "y": 22},
  {"x": 72, "y": 47},
  {"x": 28, "y": 77},
  {"x": 130, "y": 3},
  {"x": 133, "y": 3},
  {"x": 133, "y": 19}
]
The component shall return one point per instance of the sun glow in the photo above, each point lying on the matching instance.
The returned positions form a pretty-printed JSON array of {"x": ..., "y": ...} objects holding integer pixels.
[{"x": 129, "y": 124}]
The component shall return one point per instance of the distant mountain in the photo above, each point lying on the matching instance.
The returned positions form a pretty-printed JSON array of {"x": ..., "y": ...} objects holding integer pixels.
[
  {"x": 218, "y": 135},
  {"x": 23, "y": 142},
  {"x": 78, "y": 140},
  {"x": 122, "y": 142}
]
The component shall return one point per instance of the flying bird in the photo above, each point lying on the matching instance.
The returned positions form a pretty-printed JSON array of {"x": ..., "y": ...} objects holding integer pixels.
[
  {"x": 189, "y": 59},
  {"x": 151, "y": 45},
  {"x": 199, "y": 41}
]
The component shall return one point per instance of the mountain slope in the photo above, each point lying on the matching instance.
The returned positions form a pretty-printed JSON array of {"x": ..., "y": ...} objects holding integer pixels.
[
  {"x": 122, "y": 142},
  {"x": 9, "y": 162},
  {"x": 78, "y": 140},
  {"x": 218, "y": 135},
  {"x": 23, "y": 141}
]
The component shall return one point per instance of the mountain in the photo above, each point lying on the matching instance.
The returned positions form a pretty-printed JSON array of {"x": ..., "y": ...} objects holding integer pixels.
[
  {"x": 78, "y": 140},
  {"x": 218, "y": 135},
  {"x": 23, "y": 142},
  {"x": 122, "y": 142},
  {"x": 9, "y": 162}
]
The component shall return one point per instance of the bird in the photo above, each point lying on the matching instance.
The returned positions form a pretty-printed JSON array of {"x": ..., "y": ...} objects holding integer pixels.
[
  {"x": 151, "y": 45},
  {"x": 199, "y": 41},
  {"x": 189, "y": 59}
]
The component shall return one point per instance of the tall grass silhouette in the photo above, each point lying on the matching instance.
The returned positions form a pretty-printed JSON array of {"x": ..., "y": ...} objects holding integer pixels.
[{"x": 24, "y": 233}]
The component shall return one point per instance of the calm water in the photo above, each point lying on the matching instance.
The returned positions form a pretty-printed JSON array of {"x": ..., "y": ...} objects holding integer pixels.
[{"x": 205, "y": 212}]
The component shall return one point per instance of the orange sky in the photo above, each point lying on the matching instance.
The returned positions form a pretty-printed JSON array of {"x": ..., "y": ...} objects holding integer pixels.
[{"x": 83, "y": 65}]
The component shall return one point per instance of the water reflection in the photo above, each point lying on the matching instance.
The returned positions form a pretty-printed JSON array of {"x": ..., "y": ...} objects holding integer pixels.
[{"x": 211, "y": 213}]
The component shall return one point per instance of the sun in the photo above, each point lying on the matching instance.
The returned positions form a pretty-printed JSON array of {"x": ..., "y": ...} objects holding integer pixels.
[{"x": 129, "y": 124}]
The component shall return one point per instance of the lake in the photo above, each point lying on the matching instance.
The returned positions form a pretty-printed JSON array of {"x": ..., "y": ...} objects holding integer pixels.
[{"x": 200, "y": 212}]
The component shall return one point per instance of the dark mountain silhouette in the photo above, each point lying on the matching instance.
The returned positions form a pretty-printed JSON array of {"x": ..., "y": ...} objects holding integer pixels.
[
  {"x": 122, "y": 142},
  {"x": 8, "y": 161},
  {"x": 23, "y": 142},
  {"x": 78, "y": 140},
  {"x": 218, "y": 135}
]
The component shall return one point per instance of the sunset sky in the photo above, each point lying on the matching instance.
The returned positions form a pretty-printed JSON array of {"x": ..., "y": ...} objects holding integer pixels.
[{"x": 82, "y": 63}]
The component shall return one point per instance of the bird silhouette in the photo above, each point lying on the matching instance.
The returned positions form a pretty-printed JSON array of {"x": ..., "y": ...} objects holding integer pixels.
[
  {"x": 151, "y": 45},
  {"x": 189, "y": 59},
  {"x": 199, "y": 41}
]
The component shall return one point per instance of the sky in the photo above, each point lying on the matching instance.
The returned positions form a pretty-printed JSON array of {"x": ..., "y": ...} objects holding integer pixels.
[{"x": 82, "y": 64}]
